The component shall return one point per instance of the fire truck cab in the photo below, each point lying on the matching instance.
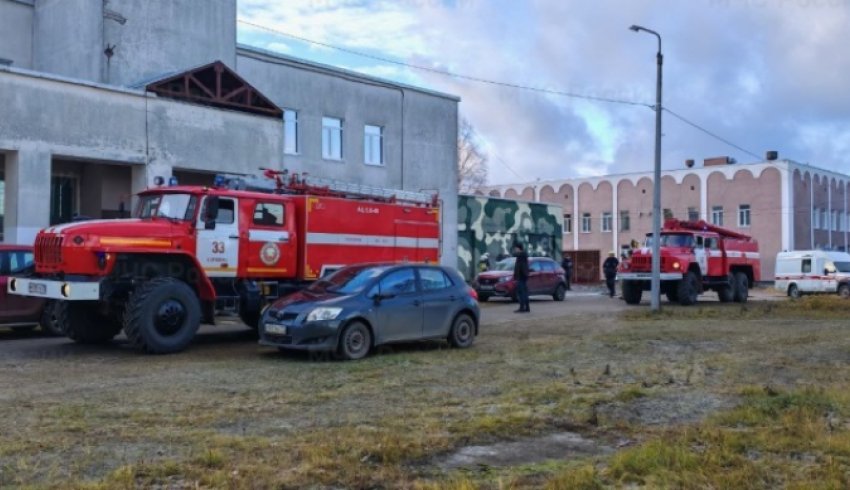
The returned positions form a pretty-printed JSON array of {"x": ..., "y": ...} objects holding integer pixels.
[
  {"x": 695, "y": 257},
  {"x": 193, "y": 252}
]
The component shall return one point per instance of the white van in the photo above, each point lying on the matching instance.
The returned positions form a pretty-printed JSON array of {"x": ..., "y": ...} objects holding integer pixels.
[{"x": 812, "y": 271}]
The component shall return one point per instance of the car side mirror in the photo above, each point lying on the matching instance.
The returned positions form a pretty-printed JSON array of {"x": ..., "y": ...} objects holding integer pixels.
[
  {"x": 211, "y": 212},
  {"x": 826, "y": 272}
]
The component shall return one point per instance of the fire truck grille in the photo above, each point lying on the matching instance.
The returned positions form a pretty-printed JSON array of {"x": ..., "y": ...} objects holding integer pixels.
[
  {"x": 641, "y": 263},
  {"x": 48, "y": 249}
]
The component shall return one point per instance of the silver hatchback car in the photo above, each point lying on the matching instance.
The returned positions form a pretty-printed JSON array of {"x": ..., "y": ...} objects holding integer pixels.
[{"x": 362, "y": 306}]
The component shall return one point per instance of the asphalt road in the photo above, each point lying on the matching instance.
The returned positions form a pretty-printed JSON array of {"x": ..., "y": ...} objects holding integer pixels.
[{"x": 230, "y": 334}]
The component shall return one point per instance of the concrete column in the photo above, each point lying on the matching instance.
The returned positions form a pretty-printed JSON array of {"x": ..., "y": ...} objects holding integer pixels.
[
  {"x": 786, "y": 205},
  {"x": 829, "y": 223},
  {"x": 615, "y": 219},
  {"x": 703, "y": 196},
  {"x": 144, "y": 175},
  {"x": 812, "y": 212},
  {"x": 576, "y": 218},
  {"x": 27, "y": 198}
]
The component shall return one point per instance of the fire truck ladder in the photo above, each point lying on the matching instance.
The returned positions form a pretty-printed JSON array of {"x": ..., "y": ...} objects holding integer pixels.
[{"x": 282, "y": 182}]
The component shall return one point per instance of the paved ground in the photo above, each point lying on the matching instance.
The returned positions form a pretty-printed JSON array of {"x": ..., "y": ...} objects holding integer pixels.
[{"x": 232, "y": 335}]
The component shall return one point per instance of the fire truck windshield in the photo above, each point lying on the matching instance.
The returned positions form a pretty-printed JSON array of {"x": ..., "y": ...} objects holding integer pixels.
[
  {"x": 172, "y": 206},
  {"x": 672, "y": 240}
]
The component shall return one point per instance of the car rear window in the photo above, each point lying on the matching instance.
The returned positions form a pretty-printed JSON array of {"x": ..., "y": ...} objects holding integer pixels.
[{"x": 434, "y": 279}]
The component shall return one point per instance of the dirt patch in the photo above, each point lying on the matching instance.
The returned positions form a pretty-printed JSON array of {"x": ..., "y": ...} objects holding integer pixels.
[
  {"x": 561, "y": 446},
  {"x": 683, "y": 407}
]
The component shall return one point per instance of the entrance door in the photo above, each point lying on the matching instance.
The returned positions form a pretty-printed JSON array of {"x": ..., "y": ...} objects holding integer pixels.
[
  {"x": 63, "y": 197},
  {"x": 218, "y": 249}
]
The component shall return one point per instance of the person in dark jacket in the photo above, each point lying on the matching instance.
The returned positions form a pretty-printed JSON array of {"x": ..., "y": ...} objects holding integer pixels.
[
  {"x": 609, "y": 268},
  {"x": 567, "y": 265},
  {"x": 521, "y": 276}
]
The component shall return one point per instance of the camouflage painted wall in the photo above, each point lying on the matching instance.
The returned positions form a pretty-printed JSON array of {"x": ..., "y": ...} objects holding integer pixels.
[{"x": 491, "y": 225}]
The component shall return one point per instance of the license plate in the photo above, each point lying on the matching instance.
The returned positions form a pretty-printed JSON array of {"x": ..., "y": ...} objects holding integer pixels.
[
  {"x": 275, "y": 329},
  {"x": 36, "y": 288},
  {"x": 485, "y": 288}
]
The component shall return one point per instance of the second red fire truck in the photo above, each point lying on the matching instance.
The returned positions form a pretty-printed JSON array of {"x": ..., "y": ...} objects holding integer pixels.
[
  {"x": 695, "y": 257},
  {"x": 192, "y": 252}
]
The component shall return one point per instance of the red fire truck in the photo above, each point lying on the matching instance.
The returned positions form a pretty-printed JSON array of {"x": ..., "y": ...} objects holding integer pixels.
[
  {"x": 695, "y": 257},
  {"x": 192, "y": 252}
]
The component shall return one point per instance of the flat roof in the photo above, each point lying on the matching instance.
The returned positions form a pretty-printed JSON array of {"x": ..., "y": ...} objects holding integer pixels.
[{"x": 260, "y": 53}]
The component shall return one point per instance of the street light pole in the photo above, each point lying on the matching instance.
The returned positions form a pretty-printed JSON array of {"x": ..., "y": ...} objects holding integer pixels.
[{"x": 655, "y": 293}]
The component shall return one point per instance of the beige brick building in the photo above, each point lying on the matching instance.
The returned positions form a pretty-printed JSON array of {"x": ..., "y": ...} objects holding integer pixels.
[{"x": 785, "y": 205}]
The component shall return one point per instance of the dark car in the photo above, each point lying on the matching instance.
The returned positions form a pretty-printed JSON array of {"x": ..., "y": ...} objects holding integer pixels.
[
  {"x": 545, "y": 277},
  {"x": 363, "y": 306},
  {"x": 20, "y": 312}
]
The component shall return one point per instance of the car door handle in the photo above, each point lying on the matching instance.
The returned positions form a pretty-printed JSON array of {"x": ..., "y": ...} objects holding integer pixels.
[
  {"x": 452, "y": 298},
  {"x": 234, "y": 237},
  {"x": 416, "y": 302}
]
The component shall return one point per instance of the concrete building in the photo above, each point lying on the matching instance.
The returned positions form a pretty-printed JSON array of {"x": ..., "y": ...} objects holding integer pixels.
[
  {"x": 785, "y": 205},
  {"x": 99, "y": 97}
]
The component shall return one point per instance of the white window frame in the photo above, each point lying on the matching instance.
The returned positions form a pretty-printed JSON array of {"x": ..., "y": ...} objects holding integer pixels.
[
  {"x": 369, "y": 140},
  {"x": 744, "y": 216},
  {"x": 328, "y": 131},
  {"x": 586, "y": 223},
  {"x": 717, "y": 215},
  {"x": 833, "y": 220},
  {"x": 625, "y": 221},
  {"x": 291, "y": 145},
  {"x": 693, "y": 214},
  {"x": 824, "y": 221},
  {"x": 607, "y": 222},
  {"x": 815, "y": 219},
  {"x": 568, "y": 223}
]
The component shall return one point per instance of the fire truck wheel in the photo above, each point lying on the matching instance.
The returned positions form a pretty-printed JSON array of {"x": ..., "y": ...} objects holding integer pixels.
[
  {"x": 560, "y": 293},
  {"x": 741, "y": 287},
  {"x": 250, "y": 318},
  {"x": 673, "y": 295},
  {"x": 844, "y": 291},
  {"x": 726, "y": 293},
  {"x": 162, "y": 316},
  {"x": 49, "y": 321},
  {"x": 355, "y": 342},
  {"x": 794, "y": 291},
  {"x": 462, "y": 333},
  {"x": 631, "y": 292},
  {"x": 687, "y": 289},
  {"x": 82, "y": 323}
]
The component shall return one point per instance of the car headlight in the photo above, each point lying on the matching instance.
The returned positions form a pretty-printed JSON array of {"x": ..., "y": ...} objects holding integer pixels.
[
  {"x": 323, "y": 313},
  {"x": 505, "y": 279},
  {"x": 676, "y": 265}
]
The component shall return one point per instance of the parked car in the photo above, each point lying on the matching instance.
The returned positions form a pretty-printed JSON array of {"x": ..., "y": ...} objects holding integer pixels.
[
  {"x": 21, "y": 312},
  {"x": 362, "y": 306},
  {"x": 545, "y": 277}
]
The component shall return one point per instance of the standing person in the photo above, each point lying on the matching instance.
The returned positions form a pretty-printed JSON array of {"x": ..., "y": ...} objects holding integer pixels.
[
  {"x": 609, "y": 268},
  {"x": 521, "y": 276},
  {"x": 567, "y": 265},
  {"x": 484, "y": 262}
]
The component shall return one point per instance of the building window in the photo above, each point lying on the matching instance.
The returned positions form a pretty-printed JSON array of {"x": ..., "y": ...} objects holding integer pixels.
[
  {"x": 824, "y": 220},
  {"x": 290, "y": 132},
  {"x": 607, "y": 221},
  {"x": 585, "y": 223},
  {"x": 717, "y": 215},
  {"x": 815, "y": 219},
  {"x": 331, "y": 138},
  {"x": 373, "y": 145},
  {"x": 668, "y": 213},
  {"x": 568, "y": 223},
  {"x": 693, "y": 214},
  {"x": 625, "y": 221},
  {"x": 744, "y": 216}
]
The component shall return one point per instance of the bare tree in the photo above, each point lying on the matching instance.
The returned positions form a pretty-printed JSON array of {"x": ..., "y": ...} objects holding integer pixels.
[{"x": 471, "y": 160}]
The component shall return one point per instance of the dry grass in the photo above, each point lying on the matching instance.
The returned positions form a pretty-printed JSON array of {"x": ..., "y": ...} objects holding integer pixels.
[{"x": 230, "y": 415}]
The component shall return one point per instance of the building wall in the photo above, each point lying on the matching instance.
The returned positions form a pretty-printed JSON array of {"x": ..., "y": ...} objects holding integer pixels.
[
  {"x": 166, "y": 36},
  {"x": 68, "y": 38},
  {"x": 779, "y": 193},
  {"x": 46, "y": 120},
  {"x": 419, "y": 129},
  {"x": 16, "y": 21}
]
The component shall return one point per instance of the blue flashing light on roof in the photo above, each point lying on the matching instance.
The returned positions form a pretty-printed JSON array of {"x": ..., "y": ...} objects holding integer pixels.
[
  {"x": 219, "y": 181},
  {"x": 172, "y": 181}
]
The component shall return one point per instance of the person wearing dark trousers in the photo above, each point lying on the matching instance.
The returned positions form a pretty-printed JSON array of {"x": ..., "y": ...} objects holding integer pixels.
[
  {"x": 609, "y": 268},
  {"x": 567, "y": 265},
  {"x": 521, "y": 277}
]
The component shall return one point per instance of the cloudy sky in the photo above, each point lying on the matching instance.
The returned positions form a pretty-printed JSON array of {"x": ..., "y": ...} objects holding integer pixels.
[{"x": 763, "y": 74}]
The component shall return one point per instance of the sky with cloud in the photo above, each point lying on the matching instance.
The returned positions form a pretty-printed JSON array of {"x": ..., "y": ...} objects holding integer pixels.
[{"x": 764, "y": 74}]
